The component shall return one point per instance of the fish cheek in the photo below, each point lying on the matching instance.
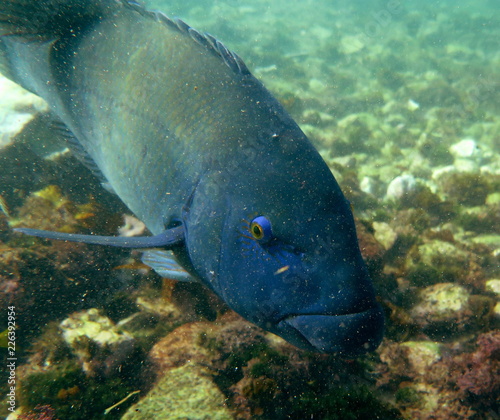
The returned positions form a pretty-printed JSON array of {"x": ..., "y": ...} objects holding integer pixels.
[{"x": 253, "y": 280}]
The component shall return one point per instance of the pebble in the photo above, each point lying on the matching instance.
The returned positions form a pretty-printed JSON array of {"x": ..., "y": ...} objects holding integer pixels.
[
  {"x": 400, "y": 186},
  {"x": 465, "y": 148}
]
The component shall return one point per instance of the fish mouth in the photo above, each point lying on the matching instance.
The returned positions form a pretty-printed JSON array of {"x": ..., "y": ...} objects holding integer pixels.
[{"x": 349, "y": 334}]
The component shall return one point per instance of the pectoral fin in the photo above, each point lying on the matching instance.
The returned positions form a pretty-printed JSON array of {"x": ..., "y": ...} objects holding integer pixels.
[
  {"x": 164, "y": 263},
  {"x": 166, "y": 239}
]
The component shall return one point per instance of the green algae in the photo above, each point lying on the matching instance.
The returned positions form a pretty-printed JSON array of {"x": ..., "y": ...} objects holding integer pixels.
[
  {"x": 469, "y": 189},
  {"x": 343, "y": 403},
  {"x": 70, "y": 393}
]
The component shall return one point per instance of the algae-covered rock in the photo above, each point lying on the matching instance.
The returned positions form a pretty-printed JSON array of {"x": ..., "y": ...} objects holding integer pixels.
[
  {"x": 443, "y": 309},
  {"x": 422, "y": 354},
  {"x": 384, "y": 234},
  {"x": 400, "y": 186},
  {"x": 97, "y": 343},
  {"x": 438, "y": 261},
  {"x": 186, "y": 392},
  {"x": 465, "y": 188},
  {"x": 493, "y": 286}
]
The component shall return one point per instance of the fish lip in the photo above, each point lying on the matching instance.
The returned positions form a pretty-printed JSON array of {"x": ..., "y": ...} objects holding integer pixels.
[{"x": 350, "y": 334}]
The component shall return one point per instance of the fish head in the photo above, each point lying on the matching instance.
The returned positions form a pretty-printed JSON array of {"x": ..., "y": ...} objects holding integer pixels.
[{"x": 284, "y": 254}]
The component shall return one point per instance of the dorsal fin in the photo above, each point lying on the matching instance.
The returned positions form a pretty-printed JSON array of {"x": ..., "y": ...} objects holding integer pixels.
[
  {"x": 45, "y": 20},
  {"x": 231, "y": 59}
]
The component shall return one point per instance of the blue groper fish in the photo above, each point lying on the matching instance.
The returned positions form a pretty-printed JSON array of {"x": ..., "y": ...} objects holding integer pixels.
[{"x": 233, "y": 192}]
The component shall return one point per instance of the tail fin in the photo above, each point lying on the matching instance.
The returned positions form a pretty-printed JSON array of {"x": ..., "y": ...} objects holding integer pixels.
[{"x": 42, "y": 22}]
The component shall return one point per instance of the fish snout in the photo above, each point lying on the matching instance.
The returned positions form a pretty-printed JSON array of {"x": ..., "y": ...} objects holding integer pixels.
[{"x": 350, "y": 334}]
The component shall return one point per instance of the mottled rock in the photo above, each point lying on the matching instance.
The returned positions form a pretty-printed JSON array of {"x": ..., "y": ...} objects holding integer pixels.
[
  {"x": 443, "y": 309},
  {"x": 493, "y": 286},
  {"x": 422, "y": 354},
  {"x": 180, "y": 346},
  {"x": 186, "y": 392},
  {"x": 384, "y": 234},
  {"x": 400, "y": 186},
  {"x": 438, "y": 261},
  {"x": 351, "y": 44},
  {"x": 465, "y": 148},
  {"x": 96, "y": 341}
]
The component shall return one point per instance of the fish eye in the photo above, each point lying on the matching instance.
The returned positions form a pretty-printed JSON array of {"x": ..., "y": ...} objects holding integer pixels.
[{"x": 260, "y": 228}]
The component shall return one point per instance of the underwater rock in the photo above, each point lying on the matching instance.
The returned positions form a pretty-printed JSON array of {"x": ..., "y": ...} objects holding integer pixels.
[
  {"x": 384, "y": 234},
  {"x": 70, "y": 274},
  {"x": 370, "y": 185},
  {"x": 132, "y": 226},
  {"x": 180, "y": 347},
  {"x": 422, "y": 354},
  {"x": 411, "y": 358},
  {"x": 481, "y": 369},
  {"x": 401, "y": 186},
  {"x": 371, "y": 249},
  {"x": 493, "y": 286},
  {"x": 417, "y": 382},
  {"x": 73, "y": 274},
  {"x": 259, "y": 374},
  {"x": 186, "y": 392},
  {"x": 97, "y": 343},
  {"x": 52, "y": 375},
  {"x": 433, "y": 90},
  {"x": 465, "y": 188},
  {"x": 40, "y": 412},
  {"x": 465, "y": 165},
  {"x": 440, "y": 261},
  {"x": 355, "y": 130},
  {"x": 443, "y": 310},
  {"x": 197, "y": 341},
  {"x": 351, "y": 44},
  {"x": 222, "y": 347},
  {"x": 17, "y": 107},
  {"x": 466, "y": 148}
]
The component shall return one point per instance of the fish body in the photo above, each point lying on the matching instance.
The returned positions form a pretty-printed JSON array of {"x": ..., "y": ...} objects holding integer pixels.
[{"x": 206, "y": 157}]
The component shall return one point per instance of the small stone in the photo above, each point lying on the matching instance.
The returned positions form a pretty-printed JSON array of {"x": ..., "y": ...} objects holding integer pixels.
[
  {"x": 400, "y": 186},
  {"x": 465, "y": 148},
  {"x": 442, "y": 255},
  {"x": 412, "y": 105},
  {"x": 442, "y": 301},
  {"x": 186, "y": 392},
  {"x": 493, "y": 198},
  {"x": 317, "y": 85},
  {"x": 465, "y": 165},
  {"x": 493, "y": 286},
  {"x": 384, "y": 234},
  {"x": 422, "y": 354},
  {"x": 94, "y": 340},
  {"x": 372, "y": 186},
  {"x": 443, "y": 310},
  {"x": 351, "y": 44},
  {"x": 496, "y": 313}
]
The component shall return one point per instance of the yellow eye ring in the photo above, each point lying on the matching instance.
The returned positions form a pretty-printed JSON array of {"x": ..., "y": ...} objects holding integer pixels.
[
  {"x": 260, "y": 229},
  {"x": 257, "y": 231}
]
